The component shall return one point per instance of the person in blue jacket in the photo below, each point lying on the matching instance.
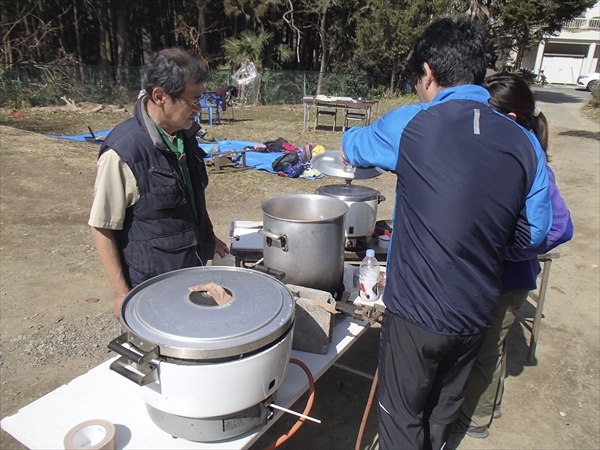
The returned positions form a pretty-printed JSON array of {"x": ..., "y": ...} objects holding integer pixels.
[
  {"x": 469, "y": 183},
  {"x": 510, "y": 95}
]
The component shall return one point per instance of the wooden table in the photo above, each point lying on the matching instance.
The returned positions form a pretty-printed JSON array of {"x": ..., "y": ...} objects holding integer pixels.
[{"x": 347, "y": 104}]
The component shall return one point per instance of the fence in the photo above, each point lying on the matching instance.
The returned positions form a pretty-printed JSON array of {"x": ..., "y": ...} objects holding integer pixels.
[
  {"x": 582, "y": 23},
  {"x": 44, "y": 85}
]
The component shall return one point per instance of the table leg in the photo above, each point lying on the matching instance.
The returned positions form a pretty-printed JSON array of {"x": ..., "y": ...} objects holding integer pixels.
[
  {"x": 537, "y": 320},
  {"x": 305, "y": 116}
]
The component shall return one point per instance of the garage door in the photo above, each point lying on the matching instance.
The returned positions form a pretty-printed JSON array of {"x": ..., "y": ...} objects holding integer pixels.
[{"x": 562, "y": 69}]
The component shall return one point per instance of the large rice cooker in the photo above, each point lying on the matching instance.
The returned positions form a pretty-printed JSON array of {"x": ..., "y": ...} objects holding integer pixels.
[
  {"x": 361, "y": 217},
  {"x": 208, "y": 369}
]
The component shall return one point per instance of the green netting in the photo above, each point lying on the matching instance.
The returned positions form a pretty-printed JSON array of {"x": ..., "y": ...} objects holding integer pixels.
[{"x": 38, "y": 85}]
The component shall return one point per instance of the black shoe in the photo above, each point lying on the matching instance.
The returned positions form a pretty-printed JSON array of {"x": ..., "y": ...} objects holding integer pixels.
[{"x": 474, "y": 432}]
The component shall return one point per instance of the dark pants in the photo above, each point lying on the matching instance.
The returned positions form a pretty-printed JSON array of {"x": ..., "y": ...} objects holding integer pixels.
[{"x": 422, "y": 377}]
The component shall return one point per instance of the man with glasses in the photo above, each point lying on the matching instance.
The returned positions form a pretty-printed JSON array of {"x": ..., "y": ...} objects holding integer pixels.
[
  {"x": 470, "y": 182},
  {"x": 149, "y": 212}
]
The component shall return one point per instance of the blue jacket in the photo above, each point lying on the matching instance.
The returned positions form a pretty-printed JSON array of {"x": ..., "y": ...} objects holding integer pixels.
[
  {"x": 161, "y": 233},
  {"x": 470, "y": 182}
]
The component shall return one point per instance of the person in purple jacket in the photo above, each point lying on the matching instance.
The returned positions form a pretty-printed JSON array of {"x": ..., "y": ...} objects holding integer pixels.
[{"x": 510, "y": 95}]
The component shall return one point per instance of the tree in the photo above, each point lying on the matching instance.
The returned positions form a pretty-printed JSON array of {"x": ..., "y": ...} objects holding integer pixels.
[
  {"x": 386, "y": 35},
  {"x": 248, "y": 45},
  {"x": 517, "y": 25},
  {"x": 29, "y": 33}
]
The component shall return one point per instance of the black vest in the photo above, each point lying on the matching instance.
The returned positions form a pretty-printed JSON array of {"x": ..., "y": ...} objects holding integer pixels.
[{"x": 160, "y": 232}]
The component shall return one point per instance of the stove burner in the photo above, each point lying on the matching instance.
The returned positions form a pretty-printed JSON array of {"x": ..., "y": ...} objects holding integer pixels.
[{"x": 210, "y": 429}]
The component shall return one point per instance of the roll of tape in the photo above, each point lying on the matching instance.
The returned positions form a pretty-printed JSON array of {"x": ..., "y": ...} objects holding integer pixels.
[
  {"x": 95, "y": 434},
  {"x": 384, "y": 241}
]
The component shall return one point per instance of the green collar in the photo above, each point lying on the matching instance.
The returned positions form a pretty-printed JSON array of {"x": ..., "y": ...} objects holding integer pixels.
[{"x": 177, "y": 146}]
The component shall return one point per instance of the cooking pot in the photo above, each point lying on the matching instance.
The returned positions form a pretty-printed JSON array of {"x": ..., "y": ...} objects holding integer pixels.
[
  {"x": 208, "y": 369},
  {"x": 304, "y": 237},
  {"x": 362, "y": 204}
]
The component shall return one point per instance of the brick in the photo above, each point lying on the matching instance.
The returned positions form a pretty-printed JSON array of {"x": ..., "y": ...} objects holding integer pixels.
[{"x": 314, "y": 325}]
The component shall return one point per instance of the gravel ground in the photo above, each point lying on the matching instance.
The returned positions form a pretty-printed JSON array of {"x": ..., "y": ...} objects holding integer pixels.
[{"x": 69, "y": 337}]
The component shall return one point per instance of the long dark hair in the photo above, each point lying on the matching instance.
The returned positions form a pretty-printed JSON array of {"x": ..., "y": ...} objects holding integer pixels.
[{"x": 510, "y": 93}]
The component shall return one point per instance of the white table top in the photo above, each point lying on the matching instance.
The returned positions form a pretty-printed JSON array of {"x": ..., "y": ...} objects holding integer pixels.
[{"x": 103, "y": 394}]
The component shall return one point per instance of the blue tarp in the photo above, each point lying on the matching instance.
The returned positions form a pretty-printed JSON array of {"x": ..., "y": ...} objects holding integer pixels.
[
  {"x": 256, "y": 160},
  {"x": 81, "y": 137},
  {"x": 259, "y": 161}
]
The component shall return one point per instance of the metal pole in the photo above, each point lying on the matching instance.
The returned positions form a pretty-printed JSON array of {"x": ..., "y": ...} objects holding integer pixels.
[
  {"x": 267, "y": 87},
  {"x": 304, "y": 84},
  {"x": 18, "y": 79},
  {"x": 91, "y": 78}
]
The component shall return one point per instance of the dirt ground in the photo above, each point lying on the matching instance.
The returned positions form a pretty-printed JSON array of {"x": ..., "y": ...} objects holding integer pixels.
[{"x": 55, "y": 302}]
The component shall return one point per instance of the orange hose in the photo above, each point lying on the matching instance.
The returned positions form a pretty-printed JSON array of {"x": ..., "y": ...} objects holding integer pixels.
[
  {"x": 309, "y": 403},
  {"x": 363, "y": 424}
]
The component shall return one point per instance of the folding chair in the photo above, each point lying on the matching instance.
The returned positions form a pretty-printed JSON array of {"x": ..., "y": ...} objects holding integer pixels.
[
  {"x": 328, "y": 113},
  {"x": 208, "y": 102},
  {"x": 354, "y": 114}
]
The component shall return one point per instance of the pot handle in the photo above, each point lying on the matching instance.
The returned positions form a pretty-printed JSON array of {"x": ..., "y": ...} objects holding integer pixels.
[
  {"x": 381, "y": 198},
  {"x": 277, "y": 274},
  {"x": 141, "y": 362},
  {"x": 274, "y": 237}
]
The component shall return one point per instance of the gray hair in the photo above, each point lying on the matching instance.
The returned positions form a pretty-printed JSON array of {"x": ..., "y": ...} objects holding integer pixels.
[{"x": 170, "y": 69}]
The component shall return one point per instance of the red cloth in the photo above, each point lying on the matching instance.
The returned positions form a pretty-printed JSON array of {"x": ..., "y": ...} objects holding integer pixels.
[
  {"x": 289, "y": 148},
  {"x": 222, "y": 92}
]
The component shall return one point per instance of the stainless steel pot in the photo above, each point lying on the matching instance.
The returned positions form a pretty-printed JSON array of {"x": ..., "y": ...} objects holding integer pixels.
[
  {"x": 362, "y": 204},
  {"x": 207, "y": 371},
  {"x": 304, "y": 237}
]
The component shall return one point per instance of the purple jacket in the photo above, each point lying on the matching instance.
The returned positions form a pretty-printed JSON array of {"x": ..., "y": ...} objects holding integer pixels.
[{"x": 521, "y": 267}]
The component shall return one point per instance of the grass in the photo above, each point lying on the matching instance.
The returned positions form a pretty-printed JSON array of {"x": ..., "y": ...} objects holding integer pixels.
[
  {"x": 232, "y": 195},
  {"x": 254, "y": 123},
  {"x": 593, "y": 105}
]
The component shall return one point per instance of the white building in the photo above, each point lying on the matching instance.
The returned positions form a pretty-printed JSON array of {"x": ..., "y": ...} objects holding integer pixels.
[{"x": 573, "y": 52}]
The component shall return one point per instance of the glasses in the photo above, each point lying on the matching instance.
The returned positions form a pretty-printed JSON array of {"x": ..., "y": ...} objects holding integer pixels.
[{"x": 194, "y": 104}]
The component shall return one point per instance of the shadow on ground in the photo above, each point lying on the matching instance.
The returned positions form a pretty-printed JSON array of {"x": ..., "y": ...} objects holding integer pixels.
[
  {"x": 581, "y": 133},
  {"x": 555, "y": 97}
]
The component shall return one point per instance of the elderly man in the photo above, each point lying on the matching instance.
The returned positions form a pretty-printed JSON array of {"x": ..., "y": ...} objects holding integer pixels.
[
  {"x": 149, "y": 211},
  {"x": 470, "y": 182}
]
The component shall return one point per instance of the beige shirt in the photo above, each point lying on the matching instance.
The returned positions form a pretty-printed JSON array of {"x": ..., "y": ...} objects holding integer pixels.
[{"x": 115, "y": 190}]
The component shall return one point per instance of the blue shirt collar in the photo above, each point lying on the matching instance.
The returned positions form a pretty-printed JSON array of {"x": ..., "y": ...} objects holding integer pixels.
[{"x": 462, "y": 92}]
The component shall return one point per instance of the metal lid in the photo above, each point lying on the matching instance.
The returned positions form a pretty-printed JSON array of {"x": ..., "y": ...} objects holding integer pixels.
[
  {"x": 331, "y": 163},
  {"x": 164, "y": 311},
  {"x": 349, "y": 192}
]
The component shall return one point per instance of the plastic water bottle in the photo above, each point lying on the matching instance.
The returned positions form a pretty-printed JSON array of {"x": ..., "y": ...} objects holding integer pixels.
[{"x": 369, "y": 278}]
